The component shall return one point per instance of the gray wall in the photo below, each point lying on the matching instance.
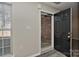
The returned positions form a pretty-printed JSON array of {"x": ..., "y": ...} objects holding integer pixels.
[
  {"x": 26, "y": 28},
  {"x": 75, "y": 21}
]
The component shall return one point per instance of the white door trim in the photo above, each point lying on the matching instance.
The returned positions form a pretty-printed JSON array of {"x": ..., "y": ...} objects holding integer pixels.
[
  {"x": 71, "y": 32},
  {"x": 52, "y": 29}
]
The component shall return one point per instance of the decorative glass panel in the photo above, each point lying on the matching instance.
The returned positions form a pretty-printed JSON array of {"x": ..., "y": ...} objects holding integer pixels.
[
  {"x": 5, "y": 28},
  {"x": 1, "y": 22},
  {"x": 7, "y": 25},
  {"x": 0, "y": 43},
  {"x": 6, "y": 50},
  {"x": 1, "y": 7},
  {"x": 6, "y": 42},
  {"x": 7, "y": 17},
  {"x": 7, "y": 9},
  {"x": 0, "y": 51},
  {"x": 1, "y": 34},
  {"x": 6, "y": 33}
]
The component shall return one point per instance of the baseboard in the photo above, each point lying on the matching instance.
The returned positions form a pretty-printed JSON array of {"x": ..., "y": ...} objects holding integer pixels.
[
  {"x": 34, "y": 55},
  {"x": 44, "y": 50},
  {"x": 8, "y": 55}
]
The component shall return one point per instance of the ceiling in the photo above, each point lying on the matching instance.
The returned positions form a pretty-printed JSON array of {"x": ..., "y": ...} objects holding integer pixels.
[{"x": 61, "y": 5}]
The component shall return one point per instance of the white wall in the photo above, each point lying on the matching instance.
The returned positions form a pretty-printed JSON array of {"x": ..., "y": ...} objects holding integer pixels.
[{"x": 26, "y": 28}]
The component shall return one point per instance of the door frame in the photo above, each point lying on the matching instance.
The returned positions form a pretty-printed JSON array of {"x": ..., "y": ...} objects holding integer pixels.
[
  {"x": 71, "y": 32},
  {"x": 52, "y": 31}
]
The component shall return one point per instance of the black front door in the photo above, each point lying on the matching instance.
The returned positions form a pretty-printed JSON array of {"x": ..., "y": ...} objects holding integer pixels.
[{"x": 62, "y": 32}]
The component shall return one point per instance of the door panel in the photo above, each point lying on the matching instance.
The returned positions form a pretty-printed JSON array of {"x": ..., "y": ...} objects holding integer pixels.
[{"x": 62, "y": 29}]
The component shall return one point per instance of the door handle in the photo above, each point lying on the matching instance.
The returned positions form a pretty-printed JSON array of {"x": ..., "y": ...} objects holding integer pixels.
[{"x": 69, "y": 36}]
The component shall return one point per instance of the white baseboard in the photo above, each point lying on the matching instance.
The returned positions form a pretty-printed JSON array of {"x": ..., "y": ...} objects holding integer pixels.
[
  {"x": 8, "y": 55},
  {"x": 46, "y": 49},
  {"x": 34, "y": 55}
]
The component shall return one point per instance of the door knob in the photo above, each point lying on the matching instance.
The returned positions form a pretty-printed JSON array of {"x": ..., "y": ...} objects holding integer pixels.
[{"x": 68, "y": 36}]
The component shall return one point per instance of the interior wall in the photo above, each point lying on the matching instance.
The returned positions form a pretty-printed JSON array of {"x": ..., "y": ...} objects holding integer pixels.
[
  {"x": 75, "y": 21},
  {"x": 76, "y": 40},
  {"x": 26, "y": 27}
]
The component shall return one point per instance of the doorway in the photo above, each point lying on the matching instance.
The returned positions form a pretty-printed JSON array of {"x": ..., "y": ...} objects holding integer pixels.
[
  {"x": 46, "y": 39},
  {"x": 62, "y": 31}
]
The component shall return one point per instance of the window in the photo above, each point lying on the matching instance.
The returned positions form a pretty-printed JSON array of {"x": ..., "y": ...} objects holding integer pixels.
[{"x": 5, "y": 29}]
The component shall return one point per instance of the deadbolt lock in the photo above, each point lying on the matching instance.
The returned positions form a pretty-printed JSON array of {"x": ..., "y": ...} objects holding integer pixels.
[{"x": 69, "y": 33}]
